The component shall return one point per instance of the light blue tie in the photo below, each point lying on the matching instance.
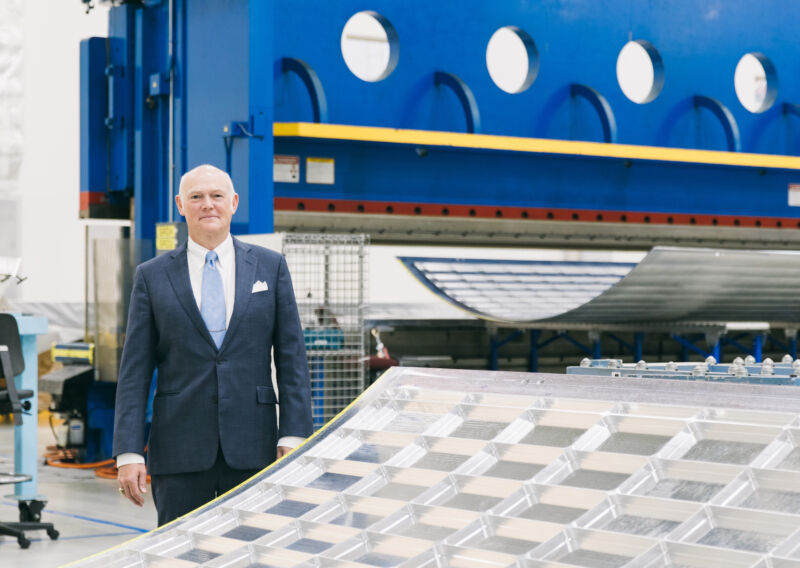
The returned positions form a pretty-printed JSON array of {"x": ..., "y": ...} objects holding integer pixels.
[{"x": 212, "y": 299}]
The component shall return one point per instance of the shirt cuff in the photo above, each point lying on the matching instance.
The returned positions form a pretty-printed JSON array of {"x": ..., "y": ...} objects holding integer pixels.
[
  {"x": 129, "y": 458},
  {"x": 290, "y": 441}
]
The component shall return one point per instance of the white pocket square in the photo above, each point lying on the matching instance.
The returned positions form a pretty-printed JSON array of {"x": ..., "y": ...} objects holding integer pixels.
[{"x": 260, "y": 286}]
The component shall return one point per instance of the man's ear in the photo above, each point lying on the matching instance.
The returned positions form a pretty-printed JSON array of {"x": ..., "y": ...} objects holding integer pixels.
[
  {"x": 235, "y": 202},
  {"x": 179, "y": 204}
]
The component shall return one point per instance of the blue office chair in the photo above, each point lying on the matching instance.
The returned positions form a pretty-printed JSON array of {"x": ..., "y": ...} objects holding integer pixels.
[{"x": 13, "y": 401}]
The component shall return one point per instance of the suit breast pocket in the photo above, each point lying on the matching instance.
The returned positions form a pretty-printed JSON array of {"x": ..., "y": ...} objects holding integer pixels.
[
  {"x": 260, "y": 295},
  {"x": 260, "y": 298},
  {"x": 260, "y": 305}
]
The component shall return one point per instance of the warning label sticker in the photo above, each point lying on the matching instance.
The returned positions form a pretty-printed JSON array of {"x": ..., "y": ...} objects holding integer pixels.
[
  {"x": 319, "y": 170},
  {"x": 286, "y": 169},
  {"x": 794, "y": 195},
  {"x": 166, "y": 231}
]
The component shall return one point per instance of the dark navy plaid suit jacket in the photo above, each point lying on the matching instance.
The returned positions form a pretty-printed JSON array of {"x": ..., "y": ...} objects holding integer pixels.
[{"x": 209, "y": 398}]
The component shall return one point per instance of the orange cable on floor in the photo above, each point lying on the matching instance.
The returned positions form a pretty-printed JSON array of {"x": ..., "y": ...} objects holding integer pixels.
[
  {"x": 55, "y": 456},
  {"x": 105, "y": 469}
]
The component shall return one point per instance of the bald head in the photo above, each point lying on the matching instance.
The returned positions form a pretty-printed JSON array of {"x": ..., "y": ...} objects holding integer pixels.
[
  {"x": 207, "y": 200},
  {"x": 205, "y": 175}
]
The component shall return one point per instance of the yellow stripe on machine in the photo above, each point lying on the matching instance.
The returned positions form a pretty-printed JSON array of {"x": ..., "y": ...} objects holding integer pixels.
[{"x": 531, "y": 145}]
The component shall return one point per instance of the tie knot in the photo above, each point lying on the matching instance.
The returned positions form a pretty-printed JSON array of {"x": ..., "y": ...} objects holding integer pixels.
[{"x": 211, "y": 257}]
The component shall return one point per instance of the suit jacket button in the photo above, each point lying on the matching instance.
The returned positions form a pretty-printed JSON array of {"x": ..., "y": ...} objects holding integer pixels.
[
  {"x": 214, "y": 399},
  {"x": 219, "y": 360}
]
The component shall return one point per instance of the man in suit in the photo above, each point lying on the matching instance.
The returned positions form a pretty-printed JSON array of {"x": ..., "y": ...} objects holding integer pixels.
[{"x": 207, "y": 316}]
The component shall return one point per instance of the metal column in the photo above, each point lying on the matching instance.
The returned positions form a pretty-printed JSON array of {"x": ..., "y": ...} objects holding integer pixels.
[
  {"x": 638, "y": 342},
  {"x": 26, "y": 458},
  {"x": 261, "y": 107},
  {"x": 533, "y": 359},
  {"x": 758, "y": 340}
]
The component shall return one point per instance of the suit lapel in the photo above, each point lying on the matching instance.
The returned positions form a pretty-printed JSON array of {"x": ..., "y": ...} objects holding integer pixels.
[
  {"x": 178, "y": 274},
  {"x": 245, "y": 276}
]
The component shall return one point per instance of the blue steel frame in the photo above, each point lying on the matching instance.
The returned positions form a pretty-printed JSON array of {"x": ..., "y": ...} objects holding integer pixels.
[
  {"x": 225, "y": 67},
  {"x": 319, "y": 105},
  {"x": 595, "y": 351}
]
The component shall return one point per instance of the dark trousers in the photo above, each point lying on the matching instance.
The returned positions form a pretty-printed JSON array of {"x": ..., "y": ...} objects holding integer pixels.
[{"x": 179, "y": 493}]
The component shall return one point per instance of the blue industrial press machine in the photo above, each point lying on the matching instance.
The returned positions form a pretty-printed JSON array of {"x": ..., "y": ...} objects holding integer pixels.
[
  {"x": 432, "y": 149},
  {"x": 434, "y": 146}
]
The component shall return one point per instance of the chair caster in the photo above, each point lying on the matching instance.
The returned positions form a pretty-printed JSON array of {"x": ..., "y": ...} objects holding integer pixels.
[
  {"x": 23, "y": 542},
  {"x": 52, "y": 533},
  {"x": 30, "y": 511}
]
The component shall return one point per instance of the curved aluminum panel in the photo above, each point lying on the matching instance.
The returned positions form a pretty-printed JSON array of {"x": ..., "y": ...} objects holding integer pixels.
[
  {"x": 712, "y": 285},
  {"x": 670, "y": 284}
]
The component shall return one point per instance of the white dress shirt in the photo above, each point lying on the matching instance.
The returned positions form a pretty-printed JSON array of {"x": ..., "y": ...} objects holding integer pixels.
[{"x": 226, "y": 263}]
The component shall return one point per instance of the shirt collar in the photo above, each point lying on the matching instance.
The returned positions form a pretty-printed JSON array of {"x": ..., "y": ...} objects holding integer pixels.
[{"x": 224, "y": 251}]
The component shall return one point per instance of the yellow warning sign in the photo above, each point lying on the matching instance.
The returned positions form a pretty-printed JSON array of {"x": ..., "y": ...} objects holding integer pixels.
[
  {"x": 166, "y": 243},
  {"x": 166, "y": 231}
]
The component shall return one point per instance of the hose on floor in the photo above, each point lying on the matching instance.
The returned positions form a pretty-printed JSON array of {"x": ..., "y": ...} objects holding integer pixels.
[{"x": 67, "y": 458}]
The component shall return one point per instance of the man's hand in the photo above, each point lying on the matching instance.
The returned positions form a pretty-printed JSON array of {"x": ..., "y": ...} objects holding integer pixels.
[
  {"x": 283, "y": 450},
  {"x": 133, "y": 481}
]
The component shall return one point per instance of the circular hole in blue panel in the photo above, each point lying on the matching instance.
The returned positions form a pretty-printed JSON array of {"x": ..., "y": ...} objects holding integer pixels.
[
  {"x": 370, "y": 47},
  {"x": 512, "y": 59},
  {"x": 640, "y": 71},
  {"x": 756, "y": 82}
]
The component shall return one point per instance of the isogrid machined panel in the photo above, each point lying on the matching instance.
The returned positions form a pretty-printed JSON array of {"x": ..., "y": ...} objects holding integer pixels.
[
  {"x": 516, "y": 290},
  {"x": 670, "y": 284},
  {"x": 451, "y": 468}
]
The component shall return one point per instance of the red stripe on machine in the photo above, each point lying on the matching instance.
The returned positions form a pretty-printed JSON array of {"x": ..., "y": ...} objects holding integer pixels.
[{"x": 532, "y": 213}]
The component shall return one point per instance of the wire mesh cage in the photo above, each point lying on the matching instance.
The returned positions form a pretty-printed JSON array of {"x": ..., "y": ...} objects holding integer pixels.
[{"x": 329, "y": 274}]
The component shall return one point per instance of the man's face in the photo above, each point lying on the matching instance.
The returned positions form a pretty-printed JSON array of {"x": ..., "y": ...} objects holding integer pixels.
[{"x": 208, "y": 202}]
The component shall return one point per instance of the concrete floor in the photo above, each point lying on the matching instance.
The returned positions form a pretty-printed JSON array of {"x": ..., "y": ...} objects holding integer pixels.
[{"x": 88, "y": 512}]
